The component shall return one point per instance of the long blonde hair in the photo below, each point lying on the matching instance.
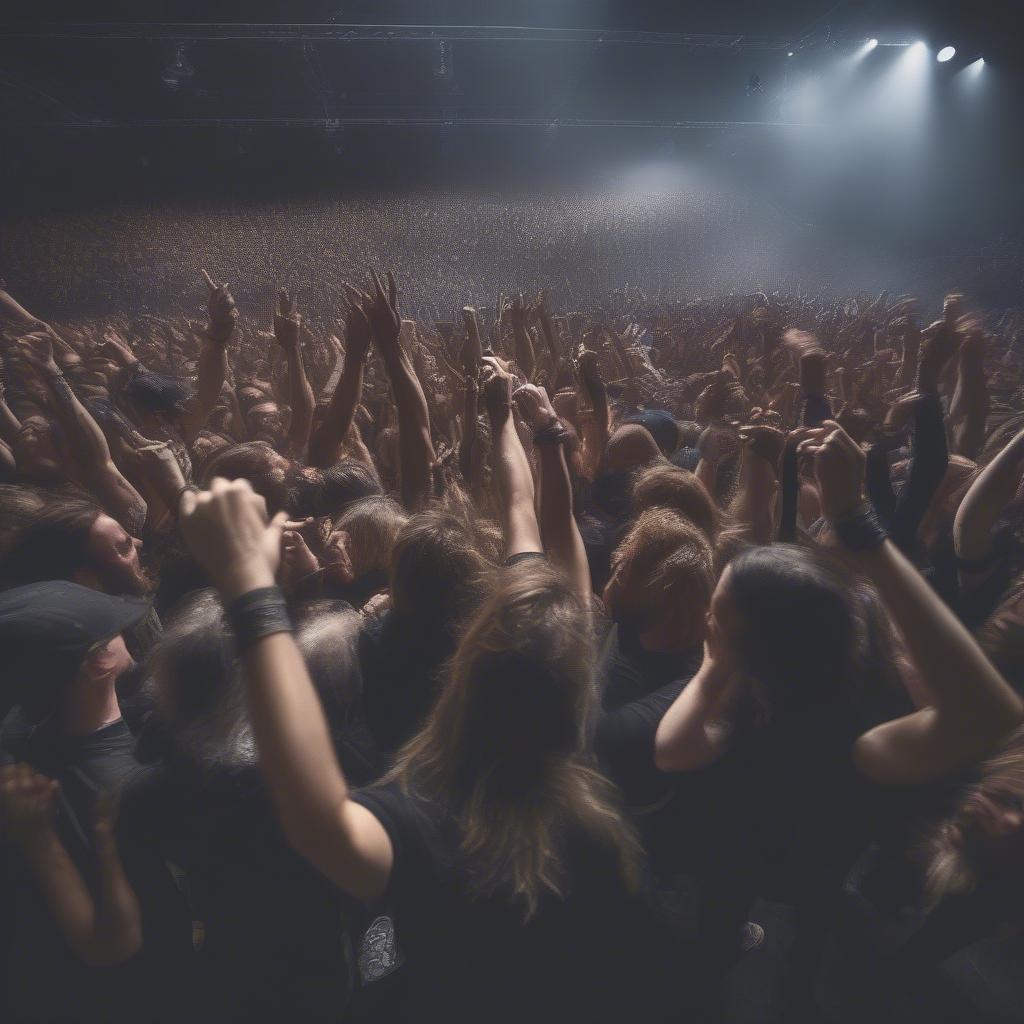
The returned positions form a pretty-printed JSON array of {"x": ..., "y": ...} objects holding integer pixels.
[{"x": 504, "y": 748}]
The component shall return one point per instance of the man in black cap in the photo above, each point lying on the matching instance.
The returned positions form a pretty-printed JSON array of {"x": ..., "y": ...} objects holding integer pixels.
[{"x": 61, "y": 651}]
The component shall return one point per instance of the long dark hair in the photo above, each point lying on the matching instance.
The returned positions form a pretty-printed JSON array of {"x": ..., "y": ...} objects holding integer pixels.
[
  {"x": 802, "y": 636},
  {"x": 504, "y": 747}
]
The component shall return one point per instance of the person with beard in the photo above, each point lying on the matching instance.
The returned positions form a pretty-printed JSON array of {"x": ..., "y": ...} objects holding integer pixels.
[{"x": 71, "y": 539}]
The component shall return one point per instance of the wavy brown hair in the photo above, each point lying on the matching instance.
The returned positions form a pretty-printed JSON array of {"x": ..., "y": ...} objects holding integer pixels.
[{"x": 504, "y": 748}]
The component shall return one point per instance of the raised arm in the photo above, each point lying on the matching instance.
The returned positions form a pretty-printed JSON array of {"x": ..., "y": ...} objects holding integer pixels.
[
  {"x": 287, "y": 333},
  {"x": 415, "y": 447},
  {"x": 973, "y": 707},
  {"x": 86, "y": 441},
  {"x": 100, "y": 931},
  {"x": 985, "y": 502},
  {"x": 509, "y": 466},
  {"x": 227, "y": 531},
  {"x": 525, "y": 358},
  {"x": 212, "y": 366},
  {"x": 327, "y": 438},
  {"x": 559, "y": 533}
]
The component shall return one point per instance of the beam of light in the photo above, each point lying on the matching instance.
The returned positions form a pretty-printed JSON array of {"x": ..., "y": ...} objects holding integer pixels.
[{"x": 946, "y": 53}]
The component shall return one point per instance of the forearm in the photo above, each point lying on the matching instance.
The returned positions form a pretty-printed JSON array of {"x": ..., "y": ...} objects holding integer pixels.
[
  {"x": 686, "y": 738},
  {"x": 326, "y": 440},
  {"x": 985, "y": 502},
  {"x": 9, "y": 423},
  {"x": 300, "y": 397},
  {"x": 211, "y": 374},
  {"x": 558, "y": 529},
  {"x": 92, "y": 456},
  {"x": 752, "y": 507},
  {"x": 524, "y": 352},
  {"x": 94, "y": 941},
  {"x": 514, "y": 483},
  {"x": 967, "y": 689},
  {"x": 929, "y": 459},
  {"x": 415, "y": 447},
  {"x": 297, "y": 758},
  {"x": 707, "y": 473},
  {"x": 469, "y": 447}
]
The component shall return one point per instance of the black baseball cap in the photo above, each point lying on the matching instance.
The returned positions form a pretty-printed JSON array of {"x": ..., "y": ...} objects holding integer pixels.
[{"x": 47, "y": 629}]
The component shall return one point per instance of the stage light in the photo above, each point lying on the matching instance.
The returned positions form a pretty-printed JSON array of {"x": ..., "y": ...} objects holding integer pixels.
[
  {"x": 945, "y": 54},
  {"x": 790, "y": 54},
  {"x": 871, "y": 44}
]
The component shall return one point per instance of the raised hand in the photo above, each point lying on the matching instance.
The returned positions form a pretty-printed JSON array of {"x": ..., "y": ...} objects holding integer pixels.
[
  {"x": 358, "y": 333},
  {"x": 221, "y": 308},
  {"x": 297, "y": 561},
  {"x": 838, "y": 466},
  {"x": 227, "y": 531},
  {"x": 287, "y": 321},
  {"x": 497, "y": 390},
  {"x": 938, "y": 343},
  {"x": 382, "y": 312},
  {"x": 26, "y": 802},
  {"x": 534, "y": 406},
  {"x": 764, "y": 441},
  {"x": 37, "y": 350}
]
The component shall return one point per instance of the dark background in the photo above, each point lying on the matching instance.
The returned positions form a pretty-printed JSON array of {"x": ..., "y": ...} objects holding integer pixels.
[{"x": 146, "y": 103}]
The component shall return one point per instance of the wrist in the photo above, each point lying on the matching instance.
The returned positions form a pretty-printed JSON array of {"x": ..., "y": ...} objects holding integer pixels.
[{"x": 242, "y": 579}]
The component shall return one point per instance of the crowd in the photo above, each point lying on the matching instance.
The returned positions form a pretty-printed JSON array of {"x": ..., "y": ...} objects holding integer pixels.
[{"x": 502, "y": 668}]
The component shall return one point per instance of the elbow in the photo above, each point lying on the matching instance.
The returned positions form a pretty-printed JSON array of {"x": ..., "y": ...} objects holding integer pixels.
[{"x": 109, "y": 953}]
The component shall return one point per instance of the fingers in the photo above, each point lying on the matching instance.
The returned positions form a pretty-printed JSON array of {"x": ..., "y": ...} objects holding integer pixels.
[
  {"x": 210, "y": 283},
  {"x": 392, "y": 290},
  {"x": 378, "y": 287}
]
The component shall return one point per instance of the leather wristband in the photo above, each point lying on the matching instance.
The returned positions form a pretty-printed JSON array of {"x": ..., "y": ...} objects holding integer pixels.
[
  {"x": 554, "y": 433},
  {"x": 860, "y": 529},
  {"x": 256, "y": 614}
]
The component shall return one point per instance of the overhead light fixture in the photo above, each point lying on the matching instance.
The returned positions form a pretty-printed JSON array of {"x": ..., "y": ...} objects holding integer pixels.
[
  {"x": 945, "y": 54},
  {"x": 872, "y": 43}
]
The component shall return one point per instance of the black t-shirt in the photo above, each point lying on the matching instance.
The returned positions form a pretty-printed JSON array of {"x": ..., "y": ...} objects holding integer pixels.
[
  {"x": 44, "y": 980},
  {"x": 267, "y": 931},
  {"x": 600, "y": 953},
  {"x": 627, "y": 671}
]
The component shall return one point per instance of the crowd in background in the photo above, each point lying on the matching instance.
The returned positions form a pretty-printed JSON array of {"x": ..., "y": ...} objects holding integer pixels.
[{"x": 498, "y": 667}]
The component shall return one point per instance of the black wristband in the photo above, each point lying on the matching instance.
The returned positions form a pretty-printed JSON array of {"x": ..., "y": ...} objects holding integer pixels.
[
  {"x": 860, "y": 529},
  {"x": 259, "y": 613},
  {"x": 554, "y": 433}
]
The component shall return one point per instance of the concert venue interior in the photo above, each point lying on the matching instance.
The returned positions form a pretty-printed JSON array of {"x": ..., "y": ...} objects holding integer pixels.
[{"x": 512, "y": 509}]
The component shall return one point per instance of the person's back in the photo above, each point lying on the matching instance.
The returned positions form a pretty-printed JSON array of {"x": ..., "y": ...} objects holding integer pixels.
[{"x": 597, "y": 952}]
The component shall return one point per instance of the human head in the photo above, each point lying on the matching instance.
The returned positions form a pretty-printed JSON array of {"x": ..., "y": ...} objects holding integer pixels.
[
  {"x": 38, "y": 451},
  {"x": 271, "y": 474},
  {"x": 437, "y": 570},
  {"x": 630, "y": 448},
  {"x": 195, "y": 679},
  {"x": 983, "y": 837},
  {"x": 59, "y": 640},
  {"x": 265, "y": 422},
  {"x": 367, "y": 530},
  {"x": 72, "y": 539},
  {"x": 661, "y": 425},
  {"x": 504, "y": 745},
  {"x": 342, "y": 483},
  {"x": 663, "y": 485},
  {"x": 662, "y": 579},
  {"x": 158, "y": 394},
  {"x": 790, "y": 618}
]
